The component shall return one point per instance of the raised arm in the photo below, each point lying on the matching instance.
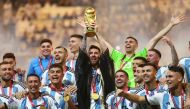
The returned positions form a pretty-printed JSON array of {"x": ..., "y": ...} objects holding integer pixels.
[
  {"x": 84, "y": 44},
  {"x": 173, "y": 51},
  {"x": 174, "y": 21},
  {"x": 104, "y": 44},
  {"x": 131, "y": 97}
]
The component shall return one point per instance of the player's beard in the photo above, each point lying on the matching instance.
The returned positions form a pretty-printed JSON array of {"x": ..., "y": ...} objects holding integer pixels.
[{"x": 6, "y": 79}]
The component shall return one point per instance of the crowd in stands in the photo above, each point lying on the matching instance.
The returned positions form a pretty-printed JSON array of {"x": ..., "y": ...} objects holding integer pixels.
[
  {"x": 34, "y": 22},
  {"x": 99, "y": 77}
]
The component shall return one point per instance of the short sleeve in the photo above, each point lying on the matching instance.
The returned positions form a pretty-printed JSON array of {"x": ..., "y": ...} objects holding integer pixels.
[{"x": 155, "y": 99}]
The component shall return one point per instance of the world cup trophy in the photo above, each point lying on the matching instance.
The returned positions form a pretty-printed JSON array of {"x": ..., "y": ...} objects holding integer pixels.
[{"x": 90, "y": 19}]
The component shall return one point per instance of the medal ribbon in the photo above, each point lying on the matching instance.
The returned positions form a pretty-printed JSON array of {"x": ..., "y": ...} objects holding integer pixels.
[
  {"x": 120, "y": 100},
  {"x": 182, "y": 100},
  {"x": 64, "y": 69},
  {"x": 123, "y": 63},
  {"x": 10, "y": 89},
  {"x": 33, "y": 105},
  {"x": 117, "y": 103},
  {"x": 93, "y": 84},
  {"x": 72, "y": 65},
  {"x": 146, "y": 88},
  {"x": 55, "y": 89},
  {"x": 40, "y": 63}
]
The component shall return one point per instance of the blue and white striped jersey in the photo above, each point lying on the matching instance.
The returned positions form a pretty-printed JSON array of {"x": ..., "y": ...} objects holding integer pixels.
[
  {"x": 142, "y": 92},
  {"x": 45, "y": 101},
  {"x": 165, "y": 101},
  {"x": 71, "y": 64},
  {"x": 6, "y": 99},
  {"x": 69, "y": 78},
  {"x": 45, "y": 79},
  {"x": 11, "y": 102},
  {"x": 97, "y": 87},
  {"x": 115, "y": 102},
  {"x": 58, "y": 96},
  {"x": 16, "y": 87},
  {"x": 161, "y": 73},
  {"x": 185, "y": 63}
]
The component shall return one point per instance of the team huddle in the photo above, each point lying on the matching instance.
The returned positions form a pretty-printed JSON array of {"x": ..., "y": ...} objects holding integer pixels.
[{"x": 99, "y": 77}]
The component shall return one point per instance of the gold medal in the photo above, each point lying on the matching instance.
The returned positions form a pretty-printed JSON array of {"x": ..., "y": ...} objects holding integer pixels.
[
  {"x": 66, "y": 98},
  {"x": 42, "y": 107},
  {"x": 95, "y": 96}
]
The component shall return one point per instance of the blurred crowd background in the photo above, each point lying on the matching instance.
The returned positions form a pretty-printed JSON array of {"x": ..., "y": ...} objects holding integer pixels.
[{"x": 23, "y": 23}]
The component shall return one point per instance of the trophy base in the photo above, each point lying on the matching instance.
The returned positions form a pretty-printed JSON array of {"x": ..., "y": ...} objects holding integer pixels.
[{"x": 90, "y": 34}]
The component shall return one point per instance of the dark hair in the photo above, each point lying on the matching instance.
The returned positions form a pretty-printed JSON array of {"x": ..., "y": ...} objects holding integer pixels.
[
  {"x": 45, "y": 40},
  {"x": 151, "y": 64},
  {"x": 2, "y": 63},
  {"x": 140, "y": 58},
  {"x": 131, "y": 37},
  {"x": 156, "y": 51},
  {"x": 9, "y": 55},
  {"x": 176, "y": 69},
  {"x": 33, "y": 74},
  {"x": 62, "y": 48},
  {"x": 94, "y": 47},
  {"x": 141, "y": 65},
  {"x": 77, "y": 36},
  {"x": 123, "y": 72},
  {"x": 56, "y": 66}
]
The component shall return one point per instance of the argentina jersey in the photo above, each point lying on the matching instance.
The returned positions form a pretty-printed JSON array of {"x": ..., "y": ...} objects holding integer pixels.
[
  {"x": 45, "y": 79},
  {"x": 6, "y": 99},
  {"x": 69, "y": 78},
  {"x": 97, "y": 87},
  {"x": 185, "y": 63},
  {"x": 142, "y": 92},
  {"x": 161, "y": 73},
  {"x": 71, "y": 64},
  {"x": 12, "y": 89},
  {"x": 166, "y": 101},
  {"x": 43, "y": 102},
  {"x": 59, "y": 97},
  {"x": 115, "y": 102}
]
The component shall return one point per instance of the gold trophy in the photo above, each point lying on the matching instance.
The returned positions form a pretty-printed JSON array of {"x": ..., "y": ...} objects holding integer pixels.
[{"x": 89, "y": 19}]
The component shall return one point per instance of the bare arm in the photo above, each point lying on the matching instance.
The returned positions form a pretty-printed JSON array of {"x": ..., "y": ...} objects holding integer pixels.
[
  {"x": 104, "y": 44},
  {"x": 173, "y": 51},
  {"x": 131, "y": 97},
  {"x": 174, "y": 21}
]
